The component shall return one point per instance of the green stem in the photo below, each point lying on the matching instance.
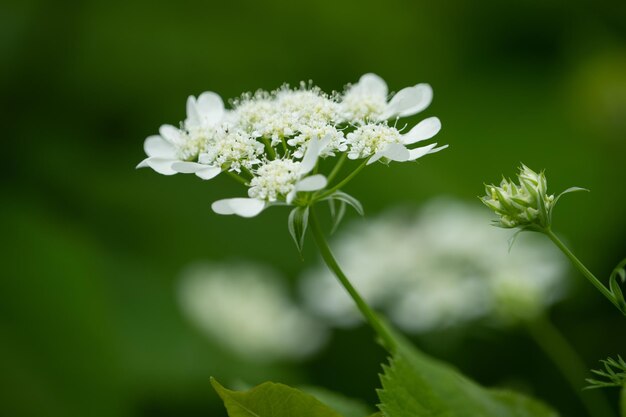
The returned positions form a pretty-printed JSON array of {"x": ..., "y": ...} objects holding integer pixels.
[
  {"x": 369, "y": 314},
  {"x": 237, "y": 178},
  {"x": 343, "y": 182},
  {"x": 268, "y": 146},
  {"x": 337, "y": 167},
  {"x": 285, "y": 149},
  {"x": 247, "y": 172},
  {"x": 582, "y": 268},
  {"x": 571, "y": 366}
]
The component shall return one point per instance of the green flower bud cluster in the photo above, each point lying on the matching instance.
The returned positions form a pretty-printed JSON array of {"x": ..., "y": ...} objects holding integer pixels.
[{"x": 527, "y": 205}]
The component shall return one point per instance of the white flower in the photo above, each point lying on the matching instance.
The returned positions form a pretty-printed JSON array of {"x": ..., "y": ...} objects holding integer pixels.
[
  {"x": 232, "y": 150},
  {"x": 177, "y": 150},
  {"x": 279, "y": 178},
  {"x": 367, "y": 100},
  {"x": 440, "y": 268},
  {"x": 246, "y": 309},
  {"x": 383, "y": 141}
]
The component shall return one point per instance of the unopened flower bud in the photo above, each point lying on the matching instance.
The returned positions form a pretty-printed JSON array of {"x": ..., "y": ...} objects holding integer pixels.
[{"x": 526, "y": 205}]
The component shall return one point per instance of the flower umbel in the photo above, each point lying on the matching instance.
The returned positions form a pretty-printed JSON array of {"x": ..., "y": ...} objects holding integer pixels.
[
  {"x": 271, "y": 142},
  {"x": 526, "y": 205}
]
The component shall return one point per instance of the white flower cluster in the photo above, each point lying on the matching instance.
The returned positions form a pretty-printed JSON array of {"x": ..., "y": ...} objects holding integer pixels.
[
  {"x": 247, "y": 309},
  {"x": 440, "y": 268},
  {"x": 272, "y": 141}
]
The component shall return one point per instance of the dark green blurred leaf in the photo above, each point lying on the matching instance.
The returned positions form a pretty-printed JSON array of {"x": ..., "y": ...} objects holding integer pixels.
[{"x": 272, "y": 400}]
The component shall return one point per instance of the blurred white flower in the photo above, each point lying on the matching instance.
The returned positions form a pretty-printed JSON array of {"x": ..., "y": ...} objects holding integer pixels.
[
  {"x": 441, "y": 267},
  {"x": 247, "y": 308}
]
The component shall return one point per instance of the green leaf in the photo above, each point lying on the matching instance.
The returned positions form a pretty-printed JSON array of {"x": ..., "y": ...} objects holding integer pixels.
[
  {"x": 417, "y": 385},
  {"x": 348, "y": 199},
  {"x": 616, "y": 290},
  {"x": 345, "y": 406},
  {"x": 338, "y": 215},
  {"x": 297, "y": 224},
  {"x": 618, "y": 277},
  {"x": 623, "y": 401},
  {"x": 271, "y": 400},
  {"x": 569, "y": 190}
]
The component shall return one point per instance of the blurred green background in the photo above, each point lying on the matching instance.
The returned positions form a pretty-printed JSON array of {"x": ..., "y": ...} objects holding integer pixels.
[{"x": 89, "y": 324}]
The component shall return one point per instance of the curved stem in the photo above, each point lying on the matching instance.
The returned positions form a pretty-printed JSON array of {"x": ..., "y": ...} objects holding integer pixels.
[
  {"x": 571, "y": 366},
  {"x": 237, "y": 178},
  {"x": 343, "y": 182},
  {"x": 270, "y": 150},
  {"x": 582, "y": 268},
  {"x": 337, "y": 167},
  {"x": 369, "y": 314}
]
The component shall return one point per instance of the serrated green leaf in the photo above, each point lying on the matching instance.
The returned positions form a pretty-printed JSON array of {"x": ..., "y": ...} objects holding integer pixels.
[
  {"x": 347, "y": 407},
  {"x": 417, "y": 385},
  {"x": 297, "y": 224},
  {"x": 348, "y": 199},
  {"x": 272, "y": 400}
]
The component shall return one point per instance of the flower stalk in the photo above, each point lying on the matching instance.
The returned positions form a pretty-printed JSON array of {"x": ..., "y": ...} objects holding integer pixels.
[
  {"x": 528, "y": 206},
  {"x": 370, "y": 316},
  {"x": 583, "y": 269}
]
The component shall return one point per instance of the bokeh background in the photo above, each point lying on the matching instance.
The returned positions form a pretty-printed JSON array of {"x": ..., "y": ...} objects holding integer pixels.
[{"x": 92, "y": 248}]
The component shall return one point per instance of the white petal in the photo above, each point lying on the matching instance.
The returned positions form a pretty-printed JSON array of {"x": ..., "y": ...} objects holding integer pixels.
[
  {"x": 210, "y": 107},
  {"x": 393, "y": 151},
  {"x": 375, "y": 157},
  {"x": 156, "y": 146},
  {"x": 425, "y": 129},
  {"x": 312, "y": 183},
  {"x": 290, "y": 197},
  {"x": 409, "y": 101},
  {"x": 372, "y": 84},
  {"x": 160, "y": 165},
  {"x": 170, "y": 134},
  {"x": 187, "y": 167},
  {"x": 419, "y": 152},
  {"x": 435, "y": 150},
  {"x": 396, "y": 152},
  {"x": 310, "y": 156},
  {"x": 244, "y": 207},
  {"x": 209, "y": 172},
  {"x": 193, "y": 119}
]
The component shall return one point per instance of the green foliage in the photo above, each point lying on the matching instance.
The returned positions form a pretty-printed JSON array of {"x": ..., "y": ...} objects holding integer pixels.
[
  {"x": 272, "y": 400},
  {"x": 297, "y": 224},
  {"x": 618, "y": 277},
  {"x": 613, "y": 374},
  {"x": 417, "y": 385},
  {"x": 338, "y": 211},
  {"x": 623, "y": 401},
  {"x": 347, "y": 407}
]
